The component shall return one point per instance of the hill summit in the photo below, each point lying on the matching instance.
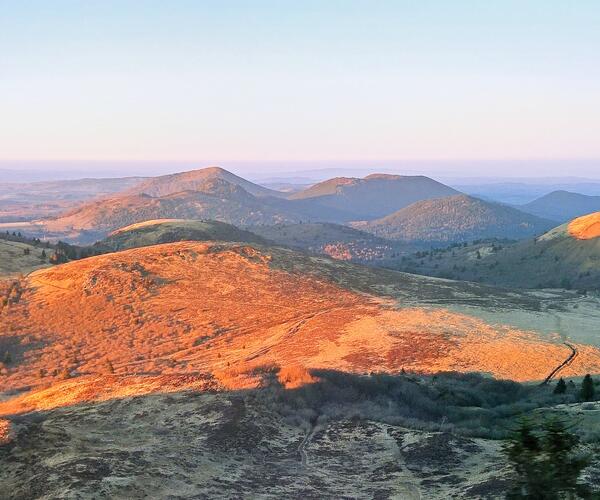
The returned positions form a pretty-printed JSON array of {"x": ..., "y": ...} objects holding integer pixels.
[
  {"x": 203, "y": 180},
  {"x": 455, "y": 219},
  {"x": 374, "y": 196}
]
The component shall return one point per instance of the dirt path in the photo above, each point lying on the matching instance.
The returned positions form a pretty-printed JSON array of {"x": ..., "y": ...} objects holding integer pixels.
[
  {"x": 565, "y": 363},
  {"x": 304, "y": 443}
]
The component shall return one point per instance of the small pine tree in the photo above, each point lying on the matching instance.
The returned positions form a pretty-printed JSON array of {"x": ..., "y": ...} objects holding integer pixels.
[
  {"x": 587, "y": 388},
  {"x": 546, "y": 462},
  {"x": 561, "y": 387}
]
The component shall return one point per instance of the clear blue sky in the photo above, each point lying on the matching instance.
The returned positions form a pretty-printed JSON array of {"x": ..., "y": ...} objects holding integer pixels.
[{"x": 324, "y": 80}]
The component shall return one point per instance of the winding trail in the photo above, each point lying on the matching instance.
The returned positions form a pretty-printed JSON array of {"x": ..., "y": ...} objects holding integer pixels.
[
  {"x": 304, "y": 443},
  {"x": 564, "y": 364}
]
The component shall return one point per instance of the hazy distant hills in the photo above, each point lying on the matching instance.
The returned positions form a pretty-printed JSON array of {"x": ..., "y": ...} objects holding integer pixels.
[
  {"x": 214, "y": 193},
  {"x": 562, "y": 206},
  {"x": 33, "y": 200},
  {"x": 453, "y": 219},
  {"x": 374, "y": 196},
  {"x": 568, "y": 256}
]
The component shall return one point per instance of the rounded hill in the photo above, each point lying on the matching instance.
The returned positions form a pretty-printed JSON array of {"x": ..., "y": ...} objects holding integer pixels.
[
  {"x": 158, "y": 231},
  {"x": 455, "y": 219}
]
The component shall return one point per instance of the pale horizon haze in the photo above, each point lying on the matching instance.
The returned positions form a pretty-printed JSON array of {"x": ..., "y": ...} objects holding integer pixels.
[{"x": 231, "y": 82}]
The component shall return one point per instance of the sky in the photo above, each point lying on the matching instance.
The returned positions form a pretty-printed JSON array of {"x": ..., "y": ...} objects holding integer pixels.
[{"x": 325, "y": 81}]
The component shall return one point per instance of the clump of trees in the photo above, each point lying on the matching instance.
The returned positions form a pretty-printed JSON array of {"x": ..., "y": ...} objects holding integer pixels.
[{"x": 587, "y": 392}]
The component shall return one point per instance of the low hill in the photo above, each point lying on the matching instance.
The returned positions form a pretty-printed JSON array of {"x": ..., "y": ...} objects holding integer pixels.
[
  {"x": 335, "y": 240},
  {"x": 198, "y": 180},
  {"x": 154, "y": 232},
  {"x": 374, "y": 196},
  {"x": 455, "y": 219},
  {"x": 192, "y": 307},
  {"x": 562, "y": 206},
  {"x": 565, "y": 257},
  {"x": 220, "y": 201}
]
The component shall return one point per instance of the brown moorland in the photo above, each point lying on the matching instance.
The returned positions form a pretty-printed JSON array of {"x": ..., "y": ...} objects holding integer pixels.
[{"x": 195, "y": 315}]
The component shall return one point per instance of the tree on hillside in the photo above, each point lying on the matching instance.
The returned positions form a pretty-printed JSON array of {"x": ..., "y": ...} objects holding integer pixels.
[
  {"x": 587, "y": 388},
  {"x": 561, "y": 387},
  {"x": 546, "y": 462}
]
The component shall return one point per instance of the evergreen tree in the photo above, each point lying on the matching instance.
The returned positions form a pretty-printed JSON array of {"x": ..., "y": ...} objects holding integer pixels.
[
  {"x": 561, "y": 387},
  {"x": 587, "y": 388},
  {"x": 546, "y": 462}
]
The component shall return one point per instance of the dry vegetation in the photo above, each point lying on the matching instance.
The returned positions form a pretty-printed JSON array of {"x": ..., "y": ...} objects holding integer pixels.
[
  {"x": 186, "y": 309},
  {"x": 586, "y": 227},
  {"x": 21, "y": 258}
]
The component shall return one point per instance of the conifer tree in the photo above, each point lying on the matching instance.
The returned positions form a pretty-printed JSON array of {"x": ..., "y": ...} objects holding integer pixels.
[
  {"x": 587, "y": 388},
  {"x": 561, "y": 387}
]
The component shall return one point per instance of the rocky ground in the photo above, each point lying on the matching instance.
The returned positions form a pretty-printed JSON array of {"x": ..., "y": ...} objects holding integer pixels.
[{"x": 227, "y": 445}]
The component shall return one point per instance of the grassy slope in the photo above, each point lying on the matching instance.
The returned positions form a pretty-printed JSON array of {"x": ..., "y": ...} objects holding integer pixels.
[
  {"x": 14, "y": 261},
  {"x": 167, "y": 231},
  {"x": 543, "y": 263}
]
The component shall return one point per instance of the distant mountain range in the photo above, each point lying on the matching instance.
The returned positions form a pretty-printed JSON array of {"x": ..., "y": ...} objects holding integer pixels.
[
  {"x": 214, "y": 193},
  {"x": 562, "y": 206},
  {"x": 412, "y": 209},
  {"x": 455, "y": 219}
]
